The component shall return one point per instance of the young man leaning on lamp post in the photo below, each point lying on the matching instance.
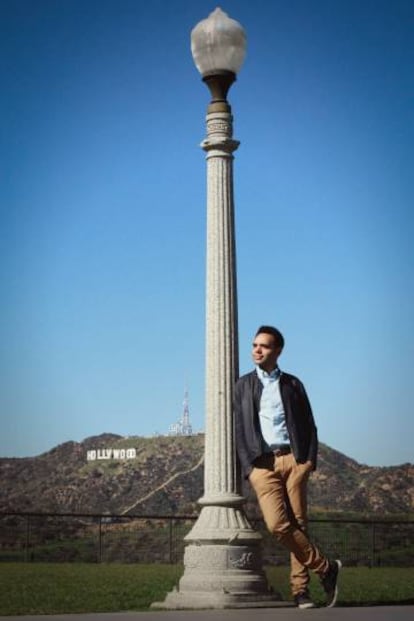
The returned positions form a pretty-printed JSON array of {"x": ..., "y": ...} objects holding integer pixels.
[{"x": 277, "y": 445}]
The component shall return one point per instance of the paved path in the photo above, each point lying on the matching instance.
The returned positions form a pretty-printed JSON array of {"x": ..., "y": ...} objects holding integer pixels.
[{"x": 377, "y": 613}]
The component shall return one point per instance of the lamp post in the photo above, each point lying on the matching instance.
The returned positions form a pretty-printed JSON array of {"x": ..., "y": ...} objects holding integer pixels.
[{"x": 222, "y": 558}]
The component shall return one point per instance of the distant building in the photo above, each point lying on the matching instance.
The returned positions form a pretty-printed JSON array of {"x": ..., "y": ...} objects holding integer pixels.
[{"x": 182, "y": 427}]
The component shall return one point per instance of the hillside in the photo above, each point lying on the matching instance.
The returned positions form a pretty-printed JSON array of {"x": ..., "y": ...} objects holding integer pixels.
[{"x": 164, "y": 475}]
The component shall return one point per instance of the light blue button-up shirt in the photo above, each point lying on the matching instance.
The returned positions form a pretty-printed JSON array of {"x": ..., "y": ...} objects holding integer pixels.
[{"x": 272, "y": 414}]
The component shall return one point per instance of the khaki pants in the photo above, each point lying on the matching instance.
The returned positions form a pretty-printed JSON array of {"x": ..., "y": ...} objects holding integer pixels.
[{"x": 280, "y": 485}]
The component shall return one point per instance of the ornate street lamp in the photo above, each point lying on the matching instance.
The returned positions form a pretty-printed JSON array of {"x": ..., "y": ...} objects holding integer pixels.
[
  {"x": 223, "y": 557},
  {"x": 218, "y": 46}
]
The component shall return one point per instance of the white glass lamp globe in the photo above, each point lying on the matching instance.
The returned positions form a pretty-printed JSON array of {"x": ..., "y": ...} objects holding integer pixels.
[{"x": 218, "y": 44}]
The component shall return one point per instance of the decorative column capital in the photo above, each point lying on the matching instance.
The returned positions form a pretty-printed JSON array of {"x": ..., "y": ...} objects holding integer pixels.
[{"x": 219, "y": 135}]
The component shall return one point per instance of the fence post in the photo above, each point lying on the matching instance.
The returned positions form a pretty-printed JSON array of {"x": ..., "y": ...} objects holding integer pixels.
[
  {"x": 100, "y": 540},
  {"x": 170, "y": 524},
  {"x": 26, "y": 549},
  {"x": 373, "y": 545}
]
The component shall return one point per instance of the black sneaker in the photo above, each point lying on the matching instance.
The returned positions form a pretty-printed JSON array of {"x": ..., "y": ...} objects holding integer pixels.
[
  {"x": 330, "y": 583},
  {"x": 303, "y": 601}
]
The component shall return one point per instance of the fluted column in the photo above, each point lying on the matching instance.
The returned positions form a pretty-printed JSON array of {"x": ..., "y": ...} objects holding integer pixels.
[
  {"x": 221, "y": 518},
  {"x": 221, "y": 313},
  {"x": 222, "y": 559}
]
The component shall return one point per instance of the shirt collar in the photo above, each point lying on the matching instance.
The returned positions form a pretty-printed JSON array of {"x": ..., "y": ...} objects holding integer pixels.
[{"x": 264, "y": 376}]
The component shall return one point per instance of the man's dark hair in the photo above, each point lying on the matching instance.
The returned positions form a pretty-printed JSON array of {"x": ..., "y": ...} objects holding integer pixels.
[{"x": 278, "y": 336}]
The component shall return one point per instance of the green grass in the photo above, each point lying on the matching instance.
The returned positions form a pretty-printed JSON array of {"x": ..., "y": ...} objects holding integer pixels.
[
  {"x": 53, "y": 588},
  {"x": 56, "y": 588}
]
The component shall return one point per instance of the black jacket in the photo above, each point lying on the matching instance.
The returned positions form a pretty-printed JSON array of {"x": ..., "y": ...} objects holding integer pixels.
[{"x": 299, "y": 420}]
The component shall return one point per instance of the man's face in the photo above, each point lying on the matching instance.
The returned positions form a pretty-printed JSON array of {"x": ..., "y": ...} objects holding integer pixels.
[{"x": 265, "y": 352}]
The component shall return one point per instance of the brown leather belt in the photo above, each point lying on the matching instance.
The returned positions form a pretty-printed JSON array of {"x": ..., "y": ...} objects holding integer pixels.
[{"x": 283, "y": 449}]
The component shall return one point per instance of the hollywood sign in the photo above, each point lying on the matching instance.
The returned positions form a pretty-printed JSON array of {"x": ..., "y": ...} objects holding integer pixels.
[{"x": 108, "y": 453}]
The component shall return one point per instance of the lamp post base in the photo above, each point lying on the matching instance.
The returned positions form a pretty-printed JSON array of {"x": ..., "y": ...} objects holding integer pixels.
[
  {"x": 218, "y": 601},
  {"x": 223, "y": 565},
  {"x": 213, "y": 579}
]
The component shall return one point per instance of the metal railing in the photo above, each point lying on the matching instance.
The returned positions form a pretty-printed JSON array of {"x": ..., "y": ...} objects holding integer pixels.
[{"x": 64, "y": 537}]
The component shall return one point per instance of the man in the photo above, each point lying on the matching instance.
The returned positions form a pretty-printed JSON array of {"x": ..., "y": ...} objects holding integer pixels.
[{"x": 277, "y": 444}]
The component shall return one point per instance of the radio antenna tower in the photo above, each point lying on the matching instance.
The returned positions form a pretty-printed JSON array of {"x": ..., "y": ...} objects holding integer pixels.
[
  {"x": 187, "y": 430},
  {"x": 183, "y": 426}
]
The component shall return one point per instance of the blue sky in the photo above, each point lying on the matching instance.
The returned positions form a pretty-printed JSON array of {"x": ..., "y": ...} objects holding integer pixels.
[{"x": 102, "y": 203}]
